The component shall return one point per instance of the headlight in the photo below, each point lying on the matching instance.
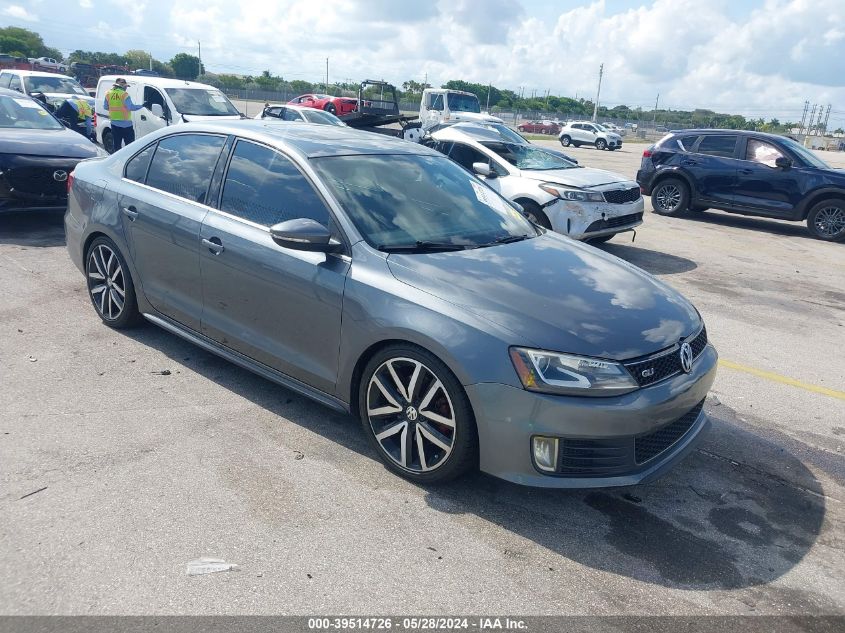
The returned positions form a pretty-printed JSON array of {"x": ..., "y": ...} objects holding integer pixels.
[
  {"x": 566, "y": 193},
  {"x": 551, "y": 372}
]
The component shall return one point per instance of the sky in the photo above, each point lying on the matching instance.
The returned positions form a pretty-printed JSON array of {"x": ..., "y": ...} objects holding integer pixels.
[{"x": 759, "y": 58}]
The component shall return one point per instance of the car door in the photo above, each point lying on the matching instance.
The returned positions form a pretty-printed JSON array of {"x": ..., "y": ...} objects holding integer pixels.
[
  {"x": 144, "y": 120},
  {"x": 278, "y": 306},
  {"x": 162, "y": 203},
  {"x": 713, "y": 165},
  {"x": 466, "y": 155},
  {"x": 761, "y": 184}
]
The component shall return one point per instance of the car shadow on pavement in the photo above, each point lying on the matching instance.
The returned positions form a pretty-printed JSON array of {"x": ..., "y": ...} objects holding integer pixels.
[
  {"x": 654, "y": 262},
  {"x": 36, "y": 228},
  {"x": 775, "y": 227},
  {"x": 740, "y": 511}
]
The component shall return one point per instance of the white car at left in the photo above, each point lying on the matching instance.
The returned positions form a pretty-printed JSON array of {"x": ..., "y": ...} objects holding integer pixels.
[
  {"x": 581, "y": 202},
  {"x": 55, "y": 88},
  {"x": 301, "y": 114}
]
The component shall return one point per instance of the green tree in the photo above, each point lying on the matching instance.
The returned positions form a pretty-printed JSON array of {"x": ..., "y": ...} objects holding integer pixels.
[
  {"x": 186, "y": 66},
  {"x": 27, "y": 43}
]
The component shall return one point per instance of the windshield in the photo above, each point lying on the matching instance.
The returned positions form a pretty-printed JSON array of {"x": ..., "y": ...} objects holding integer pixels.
[
  {"x": 319, "y": 116},
  {"x": 23, "y": 112},
  {"x": 463, "y": 103},
  {"x": 807, "y": 155},
  {"x": 201, "y": 101},
  {"x": 400, "y": 201},
  {"x": 600, "y": 127},
  {"x": 529, "y": 157},
  {"x": 64, "y": 85}
]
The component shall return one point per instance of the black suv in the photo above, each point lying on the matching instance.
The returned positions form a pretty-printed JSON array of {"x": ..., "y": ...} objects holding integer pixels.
[{"x": 744, "y": 172}]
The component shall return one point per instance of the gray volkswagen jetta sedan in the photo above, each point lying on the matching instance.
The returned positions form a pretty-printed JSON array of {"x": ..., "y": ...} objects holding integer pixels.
[{"x": 378, "y": 277}]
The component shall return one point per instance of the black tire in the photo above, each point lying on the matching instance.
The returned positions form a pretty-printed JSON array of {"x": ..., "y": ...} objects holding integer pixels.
[
  {"x": 108, "y": 141},
  {"x": 330, "y": 108},
  {"x": 451, "y": 402},
  {"x": 826, "y": 220},
  {"x": 117, "y": 280},
  {"x": 670, "y": 197},
  {"x": 566, "y": 141},
  {"x": 601, "y": 144},
  {"x": 534, "y": 213},
  {"x": 601, "y": 239}
]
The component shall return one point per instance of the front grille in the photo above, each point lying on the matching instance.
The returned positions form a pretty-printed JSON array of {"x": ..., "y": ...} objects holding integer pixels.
[
  {"x": 37, "y": 182},
  {"x": 612, "y": 223},
  {"x": 652, "y": 370},
  {"x": 607, "y": 457},
  {"x": 621, "y": 196},
  {"x": 649, "y": 446}
]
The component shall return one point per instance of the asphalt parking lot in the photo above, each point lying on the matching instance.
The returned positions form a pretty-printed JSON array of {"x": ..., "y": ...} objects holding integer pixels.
[{"x": 124, "y": 455}]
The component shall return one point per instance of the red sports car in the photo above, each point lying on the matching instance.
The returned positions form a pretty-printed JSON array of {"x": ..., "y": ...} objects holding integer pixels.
[{"x": 336, "y": 105}]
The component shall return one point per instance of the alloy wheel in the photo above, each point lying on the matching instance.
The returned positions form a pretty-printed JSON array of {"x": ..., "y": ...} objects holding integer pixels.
[
  {"x": 668, "y": 198},
  {"x": 411, "y": 415},
  {"x": 106, "y": 282},
  {"x": 830, "y": 221}
]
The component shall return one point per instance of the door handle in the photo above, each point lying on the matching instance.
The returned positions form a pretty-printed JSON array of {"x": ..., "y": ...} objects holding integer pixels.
[
  {"x": 131, "y": 212},
  {"x": 746, "y": 172},
  {"x": 143, "y": 117},
  {"x": 214, "y": 245}
]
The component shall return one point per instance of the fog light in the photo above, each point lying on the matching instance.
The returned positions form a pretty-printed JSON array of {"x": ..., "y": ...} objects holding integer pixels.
[{"x": 545, "y": 453}]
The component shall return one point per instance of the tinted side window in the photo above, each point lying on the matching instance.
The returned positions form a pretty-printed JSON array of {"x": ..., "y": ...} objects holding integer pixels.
[
  {"x": 5, "y": 78},
  {"x": 291, "y": 115},
  {"x": 762, "y": 152},
  {"x": 183, "y": 164},
  {"x": 465, "y": 156},
  {"x": 15, "y": 83},
  {"x": 685, "y": 143},
  {"x": 718, "y": 146},
  {"x": 136, "y": 168},
  {"x": 266, "y": 188}
]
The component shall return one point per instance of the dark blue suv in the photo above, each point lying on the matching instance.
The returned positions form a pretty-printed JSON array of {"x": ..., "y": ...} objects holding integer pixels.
[{"x": 744, "y": 172}]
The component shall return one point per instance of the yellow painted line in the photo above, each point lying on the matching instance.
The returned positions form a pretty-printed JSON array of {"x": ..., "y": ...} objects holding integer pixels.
[{"x": 786, "y": 380}]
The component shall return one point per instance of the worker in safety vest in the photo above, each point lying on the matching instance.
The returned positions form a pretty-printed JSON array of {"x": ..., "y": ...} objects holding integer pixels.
[
  {"x": 76, "y": 111},
  {"x": 119, "y": 105}
]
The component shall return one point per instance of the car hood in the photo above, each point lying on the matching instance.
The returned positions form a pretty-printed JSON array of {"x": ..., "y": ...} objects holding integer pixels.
[
  {"x": 556, "y": 294},
  {"x": 582, "y": 177},
  {"x": 190, "y": 118},
  {"x": 64, "y": 142}
]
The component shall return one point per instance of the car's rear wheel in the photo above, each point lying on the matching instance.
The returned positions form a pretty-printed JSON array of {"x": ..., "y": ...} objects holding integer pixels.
[
  {"x": 533, "y": 212},
  {"x": 670, "y": 197},
  {"x": 521, "y": 128},
  {"x": 110, "y": 286},
  {"x": 108, "y": 141},
  {"x": 330, "y": 108},
  {"x": 417, "y": 415},
  {"x": 826, "y": 220},
  {"x": 601, "y": 143},
  {"x": 565, "y": 140}
]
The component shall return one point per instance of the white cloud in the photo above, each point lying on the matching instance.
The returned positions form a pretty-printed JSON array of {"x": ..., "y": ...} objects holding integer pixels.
[
  {"x": 19, "y": 13},
  {"x": 86, "y": 4}
]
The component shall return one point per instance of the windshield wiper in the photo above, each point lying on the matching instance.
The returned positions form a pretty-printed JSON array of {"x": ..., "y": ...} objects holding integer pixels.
[
  {"x": 421, "y": 247},
  {"x": 507, "y": 239}
]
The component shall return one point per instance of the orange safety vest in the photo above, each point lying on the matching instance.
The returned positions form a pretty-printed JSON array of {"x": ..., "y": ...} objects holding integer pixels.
[{"x": 118, "y": 111}]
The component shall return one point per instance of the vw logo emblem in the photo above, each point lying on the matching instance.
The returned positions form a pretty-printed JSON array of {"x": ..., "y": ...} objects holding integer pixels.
[
  {"x": 411, "y": 413},
  {"x": 60, "y": 175},
  {"x": 686, "y": 357}
]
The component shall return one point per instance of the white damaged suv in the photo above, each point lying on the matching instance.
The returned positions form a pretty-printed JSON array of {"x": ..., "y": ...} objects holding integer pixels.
[{"x": 581, "y": 202}]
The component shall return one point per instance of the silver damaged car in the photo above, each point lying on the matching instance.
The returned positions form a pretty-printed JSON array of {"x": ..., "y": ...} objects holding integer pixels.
[{"x": 380, "y": 278}]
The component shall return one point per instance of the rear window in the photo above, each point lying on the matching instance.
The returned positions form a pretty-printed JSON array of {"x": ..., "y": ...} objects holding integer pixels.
[
  {"x": 685, "y": 143},
  {"x": 718, "y": 145},
  {"x": 183, "y": 164}
]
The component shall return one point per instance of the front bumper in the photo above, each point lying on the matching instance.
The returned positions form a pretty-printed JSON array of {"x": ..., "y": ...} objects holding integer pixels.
[
  {"x": 34, "y": 183},
  {"x": 585, "y": 220},
  {"x": 508, "y": 417}
]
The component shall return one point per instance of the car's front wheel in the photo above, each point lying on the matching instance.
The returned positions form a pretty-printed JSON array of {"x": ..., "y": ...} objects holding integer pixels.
[
  {"x": 417, "y": 415},
  {"x": 670, "y": 197},
  {"x": 533, "y": 212},
  {"x": 330, "y": 108},
  {"x": 110, "y": 286},
  {"x": 601, "y": 144},
  {"x": 565, "y": 140},
  {"x": 826, "y": 220}
]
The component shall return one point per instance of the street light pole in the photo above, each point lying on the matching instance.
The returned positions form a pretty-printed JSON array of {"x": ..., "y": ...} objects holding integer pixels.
[{"x": 598, "y": 94}]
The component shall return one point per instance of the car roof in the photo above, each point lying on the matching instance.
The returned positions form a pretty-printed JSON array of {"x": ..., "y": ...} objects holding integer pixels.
[
  {"x": 469, "y": 130},
  {"x": 35, "y": 73},
  {"x": 700, "y": 131},
  {"x": 310, "y": 140},
  {"x": 161, "y": 82}
]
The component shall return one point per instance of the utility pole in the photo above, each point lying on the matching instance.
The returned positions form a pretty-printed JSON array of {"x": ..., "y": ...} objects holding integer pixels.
[
  {"x": 151, "y": 61},
  {"x": 598, "y": 94},
  {"x": 654, "y": 118},
  {"x": 812, "y": 116},
  {"x": 199, "y": 56},
  {"x": 803, "y": 118},
  {"x": 826, "y": 118},
  {"x": 327, "y": 75},
  {"x": 489, "y": 87}
]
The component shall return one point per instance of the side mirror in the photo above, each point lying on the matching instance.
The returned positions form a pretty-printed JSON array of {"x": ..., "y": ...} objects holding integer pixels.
[
  {"x": 783, "y": 162},
  {"x": 304, "y": 234},
  {"x": 157, "y": 110},
  {"x": 483, "y": 169}
]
